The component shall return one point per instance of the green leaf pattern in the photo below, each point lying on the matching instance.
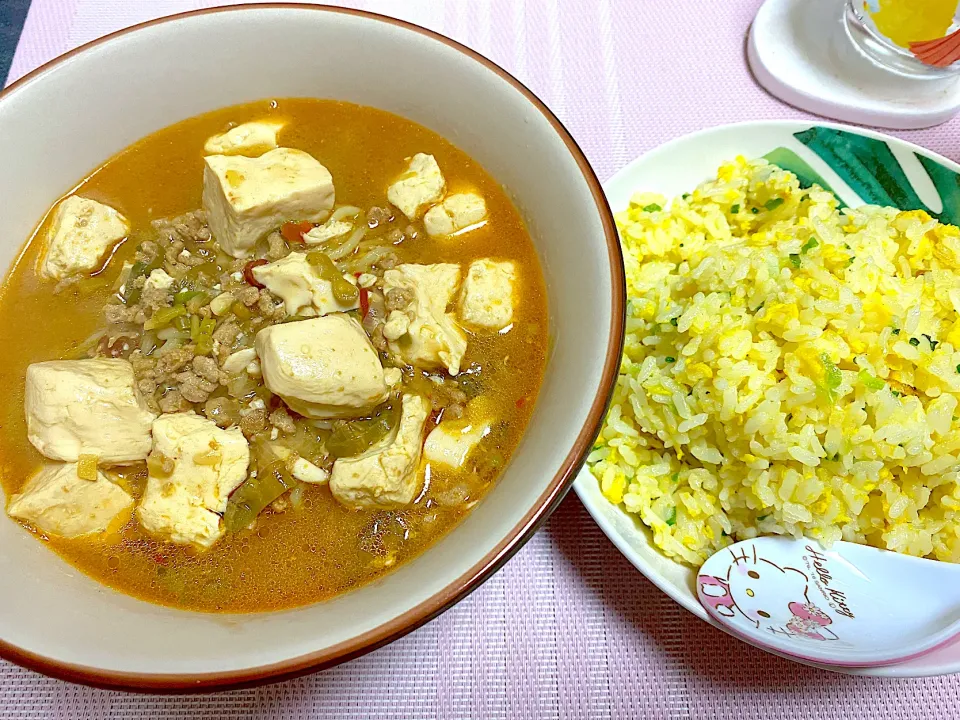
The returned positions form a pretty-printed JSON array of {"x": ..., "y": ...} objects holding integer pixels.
[{"x": 871, "y": 170}]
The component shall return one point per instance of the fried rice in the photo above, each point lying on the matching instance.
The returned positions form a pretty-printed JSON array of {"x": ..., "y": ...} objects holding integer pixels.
[{"x": 791, "y": 366}]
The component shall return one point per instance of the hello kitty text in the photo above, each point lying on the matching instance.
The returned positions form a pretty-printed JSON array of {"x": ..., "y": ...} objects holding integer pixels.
[{"x": 817, "y": 562}]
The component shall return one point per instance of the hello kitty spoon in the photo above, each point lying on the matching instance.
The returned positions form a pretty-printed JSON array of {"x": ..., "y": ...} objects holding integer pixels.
[{"x": 851, "y": 605}]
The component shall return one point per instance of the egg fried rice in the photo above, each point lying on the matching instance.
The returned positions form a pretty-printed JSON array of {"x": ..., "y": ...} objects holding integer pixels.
[{"x": 790, "y": 367}]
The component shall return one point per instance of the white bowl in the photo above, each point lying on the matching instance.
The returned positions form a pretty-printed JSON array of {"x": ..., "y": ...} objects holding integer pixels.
[
  {"x": 679, "y": 166},
  {"x": 63, "y": 120}
]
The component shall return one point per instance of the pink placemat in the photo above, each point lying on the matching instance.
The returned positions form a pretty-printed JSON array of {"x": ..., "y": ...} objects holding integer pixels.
[{"x": 568, "y": 628}]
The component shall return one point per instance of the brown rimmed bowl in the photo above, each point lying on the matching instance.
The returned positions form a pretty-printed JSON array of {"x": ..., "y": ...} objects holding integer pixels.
[{"x": 63, "y": 120}]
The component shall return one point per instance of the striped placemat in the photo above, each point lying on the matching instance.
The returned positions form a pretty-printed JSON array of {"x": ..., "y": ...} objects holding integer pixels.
[{"x": 567, "y": 628}]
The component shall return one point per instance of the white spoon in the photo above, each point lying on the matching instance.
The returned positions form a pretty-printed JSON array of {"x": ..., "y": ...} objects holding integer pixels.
[{"x": 851, "y": 605}]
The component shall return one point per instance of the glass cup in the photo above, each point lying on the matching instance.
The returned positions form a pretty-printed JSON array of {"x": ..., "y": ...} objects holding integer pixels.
[{"x": 915, "y": 38}]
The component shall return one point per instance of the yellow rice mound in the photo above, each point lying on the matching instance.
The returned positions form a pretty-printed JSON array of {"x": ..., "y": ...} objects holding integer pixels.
[{"x": 789, "y": 368}]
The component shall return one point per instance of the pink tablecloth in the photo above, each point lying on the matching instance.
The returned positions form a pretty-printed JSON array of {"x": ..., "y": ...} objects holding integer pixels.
[{"x": 567, "y": 628}]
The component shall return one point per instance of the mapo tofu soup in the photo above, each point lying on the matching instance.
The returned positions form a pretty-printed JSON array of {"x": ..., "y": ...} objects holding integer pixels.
[{"x": 267, "y": 354}]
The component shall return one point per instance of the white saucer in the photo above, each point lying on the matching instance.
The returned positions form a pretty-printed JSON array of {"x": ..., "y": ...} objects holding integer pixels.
[{"x": 801, "y": 51}]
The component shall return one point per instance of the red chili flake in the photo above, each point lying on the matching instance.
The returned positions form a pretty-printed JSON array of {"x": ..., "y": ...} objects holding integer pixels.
[
  {"x": 160, "y": 559},
  {"x": 248, "y": 272},
  {"x": 293, "y": 231},
  {"x": 364, "y": 302},
  {"x": 521, "y": 402}
]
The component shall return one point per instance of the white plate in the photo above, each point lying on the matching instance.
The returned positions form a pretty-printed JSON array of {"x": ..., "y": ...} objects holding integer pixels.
[{"x": 678, "y": 167}]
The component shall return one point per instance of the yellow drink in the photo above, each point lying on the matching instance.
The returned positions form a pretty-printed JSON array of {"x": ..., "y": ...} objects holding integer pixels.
[{"x": 907, "y": 21}]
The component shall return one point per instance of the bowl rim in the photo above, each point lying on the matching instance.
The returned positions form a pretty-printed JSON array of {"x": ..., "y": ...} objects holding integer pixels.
[{"x": 505, "y": 549}]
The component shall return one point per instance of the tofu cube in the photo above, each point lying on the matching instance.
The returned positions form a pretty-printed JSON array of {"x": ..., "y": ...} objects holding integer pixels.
[
  {"x": 421, "y": 186},
  {"x": 464, "y": 211},
  {"x": 245, "y": 198},
  {"x": 386, "y": 476},
  {"x": 322, "y": 368},
  {"x": 250, "y": 139},
  {"x": 295, "y": 281},
  {"x": 452, "y": 441},
  {"x": 81, "y": 235},
  {"x": 423, "y": 333},
  {"x": 89, "y": 407},
  {"x": 209, "y": 463},
  {"x": 488, "y": 294},
  {"x": 57, "y": 502}
]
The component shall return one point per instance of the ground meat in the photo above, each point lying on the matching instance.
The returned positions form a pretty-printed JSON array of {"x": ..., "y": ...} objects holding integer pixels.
[
  {"x": 399, "y": 299},
  {"x": 172, "y": 401},
  {"x": 147, "y": 386},
  {"x": 194, "y": 388},
  {"x": 223, "y": 411},
  {"x": 116, "y": 314},
  {"x": 253, "y": 422},
  {"x": 155, "y": 297},
  {"x": 377, "y": 338},
  {"x": 227, "y": 333},
  {"x": 388, "y": 261},
  {"x": 174, "y": 361},
  {"x": 394, "y": 236},
  {"x": 447, "y": 396},
  {"x": 411, "y": 232},
  {"x": 281, "y": 420},
  {"x": 147, "y": 252},
  {"x": 172, "y": 251},
  {"x": 453, "y": 411},
  {"x": 269, "y": 307},
  {"x": 206, "y": 368},
  {"x": 248, "y": 295},
  {"x": 276, "y": 247},
  {"x": 377, "y": 216},
  {"x": 189, "y": 227}
]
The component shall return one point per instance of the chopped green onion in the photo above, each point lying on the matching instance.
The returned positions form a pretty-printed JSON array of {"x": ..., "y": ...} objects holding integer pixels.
[
  {"x": 196, "y": 302},
  {"x": 773, "y": 203},
  {"x": 762, "y": 517},
  {"x": 194, "y": 327},
  {"x": 809, "y": 245},
  {"x": 914, "y": 341},
  {"x": 734, "y": 209},
  {"x": 652, "y": 207},
  {"x": 181, "y": 323},
  {"x": 958, "y": 368},
  {"x": 204, "y": 345},
  {"x": 184, "y": 295},
  {"x": 673, "y": 321},
  {"x": 755, "y": 210},
  {"x": 671, "y": 519},
  {"x": 670, "y": 359},
  {"x": 164, "y": 316},
  {"x": 832, "y": 377},
  {"x": 869, "y": 381},
  {"x": 933, "y": 343},
  {"x": 675, "y": 477},
  {"x": 895, "y": 393},
  {"x": 896, "y": 331},
  {"x": 208, "y": 326},
  {"x": 795, "y": 260},
  {"x": 131, "y": 295}
]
